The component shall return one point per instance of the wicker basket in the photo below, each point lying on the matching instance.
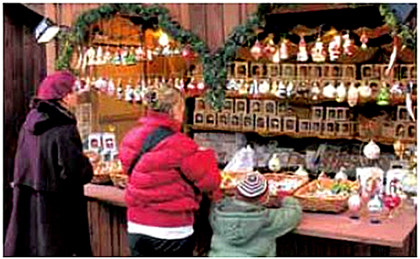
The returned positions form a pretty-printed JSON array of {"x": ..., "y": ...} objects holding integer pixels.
[
  {"x": 325, "y": 204},
  {"x": 101, "y": 179},
  {"x": 119, "y": 180}
]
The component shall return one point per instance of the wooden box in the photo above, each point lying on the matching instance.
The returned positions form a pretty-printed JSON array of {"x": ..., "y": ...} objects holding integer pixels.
[
  {"x": 200, "y": 104},
  {"x": 336, "y": 71},
  {"x": 302, "y": 71},
  {"x": 248, "y": 122},
  {"x": 317, "y": 112},
  {"x": 199, "y": 118},
  {"x": 228, "y": 106},
  {"x": 405, "y": 72},
  {"x": 328, "y": 128},
  {"x": 366, "y": 71},
  {"x": 274, "y": 124},
  {"x": 304, "y": 126},
  {"x": 260, "y": 123},
  {"x": 256, "y": 107},
  {"x": 411, "y": 133},
  {"x": 402, "y": 113},
  {"x": 241, "y": 106},
  {"x": 316, "y": 127},
  {"x": 223, "y": 120},
  {"x": 400, "y": 129},
  {"x": 236, "y": 121},
  {"x": 257, "y": 70},
  {"x": 342, "y": 113},
  {"x": 289, "y": 124},
  {"x": 288, "y": 71},
  {"x": 210, "y": 119},
  {"x": 274, "y": 71},
  {"x": 331, "y": 113},
  {"x": 270, "y": 107},
  {"x": 241, "y": 70},
  {"x": 343, "y": 128},
  {"x": 349, "y": 72}
]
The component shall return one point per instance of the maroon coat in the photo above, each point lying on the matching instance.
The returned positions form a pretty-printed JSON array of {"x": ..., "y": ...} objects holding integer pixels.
[
  {"x": 49, "y": 215},
  {"x": 158, "y": 191}
]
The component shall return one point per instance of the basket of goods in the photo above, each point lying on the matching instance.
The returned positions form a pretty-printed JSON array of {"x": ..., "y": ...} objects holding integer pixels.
[
  {"x": 230, "y": 180},
  {"x": 326, "y": 195},
  {"x": 283, "y": 184},
  {"x": 116, "y": 174}
]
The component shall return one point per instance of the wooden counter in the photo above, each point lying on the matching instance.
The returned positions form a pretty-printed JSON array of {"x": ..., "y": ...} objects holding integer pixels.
[{"x": 395, "y": 234}]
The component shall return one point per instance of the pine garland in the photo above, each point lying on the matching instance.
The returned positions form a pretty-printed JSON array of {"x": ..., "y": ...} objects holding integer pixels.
[{"x": 214, "y": 66}]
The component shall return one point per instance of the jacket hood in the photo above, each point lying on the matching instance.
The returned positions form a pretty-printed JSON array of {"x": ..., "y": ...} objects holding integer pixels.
[
  {"x": 45, "y": 115},
  {"x": 157, "y": 119},
  {"x": 238, "y": 221}
]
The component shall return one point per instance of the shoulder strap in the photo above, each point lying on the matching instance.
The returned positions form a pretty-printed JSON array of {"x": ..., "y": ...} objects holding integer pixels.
[{"x": 150, "y": 142}]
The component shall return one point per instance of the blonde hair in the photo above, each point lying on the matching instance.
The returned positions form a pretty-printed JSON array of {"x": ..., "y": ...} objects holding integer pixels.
[{"x": 163, "y": 99}]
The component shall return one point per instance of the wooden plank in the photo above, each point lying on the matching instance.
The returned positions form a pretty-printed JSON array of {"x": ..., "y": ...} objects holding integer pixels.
[
  {"x": 125, "y": 249},
  {"x": 115, "y": 231},
  {"x": 251, "y": 8},
  {"x": 105, "y": 230},
  {"x": 214, "y": 26},
  {"x": 242, "y": 13},
  {"x": 174, "y": 11},
  {"x": 95, "y": 226},
  {"x": 185, "y": 16},
  {"x": 231, "y": 18},
  {"x": 198, "y": 16}
]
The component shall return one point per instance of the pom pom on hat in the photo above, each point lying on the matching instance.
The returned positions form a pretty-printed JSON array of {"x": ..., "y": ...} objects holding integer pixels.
[
  {"x": 56, "y": 86},
  {"x": 252, "y": 186}
]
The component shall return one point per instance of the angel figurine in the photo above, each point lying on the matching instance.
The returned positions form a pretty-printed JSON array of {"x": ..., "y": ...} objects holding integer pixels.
[
  {"x": 318, "y": 52},
  {"x": 302, "y": 55}
]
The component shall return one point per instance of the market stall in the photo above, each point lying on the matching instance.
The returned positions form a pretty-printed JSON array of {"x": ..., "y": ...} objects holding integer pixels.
[{"x": 324, "y": 107}]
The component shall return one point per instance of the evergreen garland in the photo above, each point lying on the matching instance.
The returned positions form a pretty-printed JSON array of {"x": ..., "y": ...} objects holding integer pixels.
[{"x": 214, "y": 66}]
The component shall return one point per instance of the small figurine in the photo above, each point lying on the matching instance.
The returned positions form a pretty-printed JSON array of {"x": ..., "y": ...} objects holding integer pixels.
[
  {"x": 383, "y": 97},
  {"x": 371, "y": 150},
  {"x": 352, "y": 95},
  {"x": 355, "y": 204},
  {"x": 274, "y": 163},
  {"x": 334, "y": 48},
  {"x": 283, "y": 50},
  {"x": 137, "y": 92},
  {"x": 274, "y": 87},
  {"x": 256, "y": 50},
  {"x": 111, "y": 87},
  {"x": 364, "y": 40},
  {"x": 124, "y": 55},
  {"x": 276, "y": 57},
  {"x": 289, "y": 89},
  {"x": 99, "y": 57},
  {"x": 139, "y": 53},
  {"x": 315, "y": 91},
  {"x": 231, "y": 85},
  {"x": 119, "y": 89},
  {"x": 301, "y": 172},
  {"x": 341, "y": 176},
  {"x": 318, "y": 53},
  {"x": 128, "y": 93},
  {"x": 243, "y": 87},
  {"x": 253, "y": 88},
  {"x": 264, "y": 87},
  {"x": 348, "y": 45},
  {"x": 329, "y": 91},
  {"x": 281, "y": 92},
  {"x": 107, "y": 59},
  {"x": 365, "y": 91},
  {"x": 117, "y": 60},
  {"x": 341, "y": 93},
  {"x": 131, "y": 57},
  {"x": 90, "y": 54},
  {"x": 375, "y": 207}
]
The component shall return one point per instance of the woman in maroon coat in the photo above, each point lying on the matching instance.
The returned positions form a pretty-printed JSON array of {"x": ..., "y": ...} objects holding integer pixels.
[
  {"x": 49, "y": 215},
  {"x": 165, "y": 185}
]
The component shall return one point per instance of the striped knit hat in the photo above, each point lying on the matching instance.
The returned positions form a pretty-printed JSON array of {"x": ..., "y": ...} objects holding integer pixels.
[{"x": 252, "y": 186}]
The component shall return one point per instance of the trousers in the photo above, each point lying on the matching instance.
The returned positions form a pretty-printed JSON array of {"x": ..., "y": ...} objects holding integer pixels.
[{"x": 147, "y": 246}]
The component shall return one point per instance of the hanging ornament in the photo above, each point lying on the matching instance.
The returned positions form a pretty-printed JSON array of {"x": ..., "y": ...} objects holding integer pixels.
[
  {"x": 396, "y": 88},
  {"x": 99, "y": 57},
  {"x": 131, "y": 57},
  {"x": 107, "y": 59},
  {"x": 256, "y": 50},
  {"x": 140, "y": 54},
  {"x": 274, "y": 87},
  {"x": 315, "y": 91},
  {"x": 302, "y": 55},
  {"x": 243, "y": 87},
  {"x": 80, "y": 59},
  {"x": 364, "y": 40},
  {"x": 281, "y": 93},
  {"x": 276, "y": 57},
  {"x": 341, "y": 92},
  {"x": 329, "y": 90},
  {"x": 409, "y": 101},
  {"x": 91, "y": 53},
  {"x": 352, "y": 95},
  {"x": 120, "y": 89},
  {"x": 201, "y": 85},
  {"x": 289, "y": 89},
  {"x": 116, "y": 60},
  {"x": 284, "y": 54},
  {"x": 318, "y": 52},
  {"x": 364, "y": 90},
  {"x": 128, "y": 93},
  {"x": 137, "y": 92},
  {"x": 253, "y": 89},
  {"x": 334, "y": 48},
  {"x": 371, "y": 150},
  {"x": 348, "y": 45},
  {"x": 111, "y": 87},
  {"x": 124, "y": 55},
  {"x": 100, "y": 84},
  {"x": 270, "y": 47},
  {"x": 341, "y": 175},
  {"x": 191, "y": 84},
  {"x": 187, "y": 52},
  {"x": 383, "y": 97},
  {"x": 274, "y": 164},
  {"x": 264, "y": 87},
  {"x": 231, "y": 85},
  {"x": 143, "y": 89},
  {"x": 301, "y": 172}
]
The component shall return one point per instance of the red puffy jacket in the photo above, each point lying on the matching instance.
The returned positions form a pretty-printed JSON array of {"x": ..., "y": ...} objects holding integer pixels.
[{"x": 156, "y": 193}]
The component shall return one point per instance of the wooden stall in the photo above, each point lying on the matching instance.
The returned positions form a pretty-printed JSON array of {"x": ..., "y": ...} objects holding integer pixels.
[{"x": 317, "y": 234}]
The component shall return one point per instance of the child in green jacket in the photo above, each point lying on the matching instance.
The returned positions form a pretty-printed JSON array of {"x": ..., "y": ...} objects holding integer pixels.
[{"x": 243, "y": 227}]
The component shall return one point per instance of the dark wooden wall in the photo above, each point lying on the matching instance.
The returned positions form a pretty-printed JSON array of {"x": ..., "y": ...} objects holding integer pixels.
[{"x": 23, "y": 68}]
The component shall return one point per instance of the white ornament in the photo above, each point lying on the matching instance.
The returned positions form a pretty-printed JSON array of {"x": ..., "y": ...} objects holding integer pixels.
[
  {"x": 371, "y": 150},
  {"x": 341, "y": 93},
  {"x": 329, "y": 91},
  {"x": 302, "y": 55},
  {"x": 274, "y": 163},
  {"x": 264, "y": 87},
  {"x": 341, "y": 175},
  {"x": 352, "y": 95},
  {"x": 365, "y": 91}
]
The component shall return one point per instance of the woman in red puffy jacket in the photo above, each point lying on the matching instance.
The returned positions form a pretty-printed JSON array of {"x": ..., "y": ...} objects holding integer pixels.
[{"x": 166, "y": 182}]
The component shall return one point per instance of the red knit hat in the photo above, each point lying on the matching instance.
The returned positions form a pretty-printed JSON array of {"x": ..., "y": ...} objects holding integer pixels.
[{"x": 56, "y": 86}]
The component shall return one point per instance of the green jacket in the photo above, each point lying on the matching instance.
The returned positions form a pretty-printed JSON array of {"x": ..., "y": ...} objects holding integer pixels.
[{"x": 241, "y": 229}]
